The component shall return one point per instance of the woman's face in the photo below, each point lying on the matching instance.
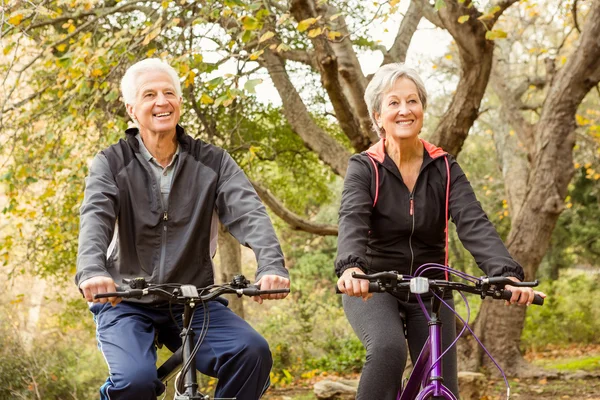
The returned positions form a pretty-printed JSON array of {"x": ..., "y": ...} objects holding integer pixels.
[
  {"x": 157, "y": 107},
  {"x": 401, "y": 111}
]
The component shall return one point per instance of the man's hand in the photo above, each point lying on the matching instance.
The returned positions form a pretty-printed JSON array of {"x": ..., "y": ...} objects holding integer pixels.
[
  {"x": 521, "y": 295},
  {"x": 352, "y": 286},
  {"x": 272, "y": 282},
  {"x": 99, "y": 284}
]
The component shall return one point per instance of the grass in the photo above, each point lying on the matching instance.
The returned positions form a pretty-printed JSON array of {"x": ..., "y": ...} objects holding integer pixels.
[{"x": 586, "y": 363}]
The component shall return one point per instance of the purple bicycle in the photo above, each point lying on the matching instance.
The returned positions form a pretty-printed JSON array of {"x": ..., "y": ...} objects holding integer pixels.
[{"x": 425, "y": 380}]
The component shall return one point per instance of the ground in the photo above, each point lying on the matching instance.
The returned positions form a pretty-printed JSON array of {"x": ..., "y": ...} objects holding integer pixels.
[
  {"x": 573, "y": 373},
  {"x": 526, "y": 389}
]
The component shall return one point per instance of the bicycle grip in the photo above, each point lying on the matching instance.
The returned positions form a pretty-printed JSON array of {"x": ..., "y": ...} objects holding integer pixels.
[
  {"x": 255, "y": 291},
  {"x": 125, "y": 295},
  {"x": 373, "y": 288},
  {"x": 537, "y": 299}
]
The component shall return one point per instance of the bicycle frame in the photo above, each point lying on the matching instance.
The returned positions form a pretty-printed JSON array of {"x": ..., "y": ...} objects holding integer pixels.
[{"x": 426, "y": 380}]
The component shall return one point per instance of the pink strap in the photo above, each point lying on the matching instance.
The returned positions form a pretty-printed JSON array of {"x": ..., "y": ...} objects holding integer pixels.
[
  {"x": 447, "y": 205},
  {"x": 376, "y": 180}
]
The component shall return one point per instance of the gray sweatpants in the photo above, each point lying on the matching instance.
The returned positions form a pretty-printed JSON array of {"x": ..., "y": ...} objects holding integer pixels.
[{"x": 379, "y": 324}]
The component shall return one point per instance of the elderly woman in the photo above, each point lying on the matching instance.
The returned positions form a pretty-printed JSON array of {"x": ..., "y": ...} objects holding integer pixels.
[
  {"x": 147, "y": 212},
  {"x": 397, "y": 222}
]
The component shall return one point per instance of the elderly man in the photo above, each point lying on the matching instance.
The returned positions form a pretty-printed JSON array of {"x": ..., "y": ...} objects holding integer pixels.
[{"x": 149, "y": 211}]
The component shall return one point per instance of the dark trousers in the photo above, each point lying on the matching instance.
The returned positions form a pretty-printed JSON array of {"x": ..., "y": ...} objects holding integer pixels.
[
  {"x": 379, "y": 324},
  {"x": 232, "y": 350}
]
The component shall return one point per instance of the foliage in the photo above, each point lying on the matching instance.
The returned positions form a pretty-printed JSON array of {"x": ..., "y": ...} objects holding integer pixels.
[
  {"x": 569, "y": 314},
  {"x": 63, "y": 365}
]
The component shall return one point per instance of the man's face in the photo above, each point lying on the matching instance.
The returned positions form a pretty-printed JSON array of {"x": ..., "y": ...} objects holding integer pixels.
[{"x": 157, "y": 107}]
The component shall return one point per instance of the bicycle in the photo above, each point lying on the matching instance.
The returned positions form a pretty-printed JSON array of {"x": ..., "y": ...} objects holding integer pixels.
[
  {"x": 189, "y": 296},
  {"x": 425, "y": 380}
]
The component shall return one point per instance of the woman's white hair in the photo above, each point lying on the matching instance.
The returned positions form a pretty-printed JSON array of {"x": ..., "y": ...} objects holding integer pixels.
[
  {"x": 383, "y": 80},
  {"x": 129, "y": 82}
]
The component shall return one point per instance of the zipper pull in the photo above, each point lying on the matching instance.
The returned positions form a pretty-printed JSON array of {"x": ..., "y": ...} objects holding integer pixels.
[
  {"x": 412, "y": 205},
  {"x": 165, "y": 216}
]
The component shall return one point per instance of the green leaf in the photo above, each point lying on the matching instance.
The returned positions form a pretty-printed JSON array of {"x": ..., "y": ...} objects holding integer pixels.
[
  {"x": 439, "y": 4},
  {"x": 251, "y": 84},
  {"x": 213, "y": 83},
  {"x": 250, "y": 23},
  {"x": 221, "y": 99}
]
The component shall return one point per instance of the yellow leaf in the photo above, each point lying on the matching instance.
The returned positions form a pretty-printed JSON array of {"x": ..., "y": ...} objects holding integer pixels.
[
  {"x": 266, "y": 36},
  {"x": 336, "y": 16},
  {"x": 332, "y": 35},
  {"x": 228, "y": 102},
  {"x": 448, "y": 57},
  {"x": 282, "y": 19},
  {"x": 495, "y": 34},
  {"x": 206, "y": 99},
  {"x": 61, "y": 47},
  {"x": 511, "y": 132},
  {"x": 282, "y": 47},
  {"x": 305, "y": 24},
  {"x": 255, "y": 55},
  {"x": 149, "y": 37},
  {"x": 273, "y": 46},
  {"x": 15, "y": 19},
  {"x": 314, "y": 32},
  {"x": 71, "y": 28},
  {"x": 96, "y": 72},
  {"x": 463, "y": 18},
  {"x": 175, "y": 21},
  {"x": 150, "y": 52},
  {"x": 165, "y": 4},
  {"x": 394, "y": 2}
]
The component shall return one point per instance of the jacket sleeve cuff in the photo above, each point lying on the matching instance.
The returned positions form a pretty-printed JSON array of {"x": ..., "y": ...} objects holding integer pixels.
[
  {"x": 340, "y": 270},
  {"x": 284, "y": 273}
]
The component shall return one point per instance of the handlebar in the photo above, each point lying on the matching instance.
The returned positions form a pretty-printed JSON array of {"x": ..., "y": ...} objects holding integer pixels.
[
  {"x": 181, "y": 293},
  {"x": 485, "y": 287}
]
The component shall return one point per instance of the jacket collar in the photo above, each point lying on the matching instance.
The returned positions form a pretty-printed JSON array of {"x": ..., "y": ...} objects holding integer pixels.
[
  {"x": 377, "y": 151},
  {"x": 182, "y": 138}
]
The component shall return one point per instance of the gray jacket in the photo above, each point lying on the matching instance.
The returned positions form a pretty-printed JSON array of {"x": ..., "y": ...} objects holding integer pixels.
[{"x": 171, "y": 245}]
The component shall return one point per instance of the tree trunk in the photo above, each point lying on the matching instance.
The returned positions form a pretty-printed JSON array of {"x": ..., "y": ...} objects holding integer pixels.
[
  {"x": 551, "y": 171},
  {"x": 230, "y": 255}
]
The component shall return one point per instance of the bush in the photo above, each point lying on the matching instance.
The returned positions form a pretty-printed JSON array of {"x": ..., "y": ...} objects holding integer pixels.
[
  {"x": 569, "y": 314},
  {"x": 64, "y": 362}
]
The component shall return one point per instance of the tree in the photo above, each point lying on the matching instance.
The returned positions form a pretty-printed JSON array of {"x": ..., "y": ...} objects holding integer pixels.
[{"x": 76, "y": 54}]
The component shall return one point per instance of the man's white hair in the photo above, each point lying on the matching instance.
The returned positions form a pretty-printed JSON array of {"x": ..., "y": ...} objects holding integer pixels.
[{"x": 130, "y": 84}]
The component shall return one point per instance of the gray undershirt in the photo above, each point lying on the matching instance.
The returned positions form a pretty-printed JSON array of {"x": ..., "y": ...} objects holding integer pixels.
[{"x": 164, "y": 176}]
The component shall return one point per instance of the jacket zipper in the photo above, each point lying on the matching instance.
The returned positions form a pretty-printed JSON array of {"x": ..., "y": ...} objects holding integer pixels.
[
  {"x": 163, "y": 248},
  {"x": 411, "y": 212}
]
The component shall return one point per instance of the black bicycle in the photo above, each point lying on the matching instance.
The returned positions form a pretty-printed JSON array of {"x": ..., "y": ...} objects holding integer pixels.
[{"x": 190, "y": 297}]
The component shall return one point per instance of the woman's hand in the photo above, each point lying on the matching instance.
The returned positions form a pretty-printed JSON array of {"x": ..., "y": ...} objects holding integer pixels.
[
  {"x": 352, "y": 286},
  {"x": 521, "y": 295}
]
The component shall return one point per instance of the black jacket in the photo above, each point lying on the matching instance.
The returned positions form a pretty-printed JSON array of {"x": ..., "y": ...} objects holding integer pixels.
[
  {"x": 391, "y": 236},
  {"x": 171, "y": 245}
]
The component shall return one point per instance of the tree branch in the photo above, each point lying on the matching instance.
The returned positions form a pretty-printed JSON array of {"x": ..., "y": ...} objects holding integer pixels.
[
  {"x": 327, "y": 148},
  {"x": 292, "y": 219},
  {"x": 341, "y": 74},
  {"x": 408, "y": 27},
  {"x": 301, "y": 56}
]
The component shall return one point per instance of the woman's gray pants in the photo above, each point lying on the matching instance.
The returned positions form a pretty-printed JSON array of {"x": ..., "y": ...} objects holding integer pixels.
[{"x": 379, "y": 323}]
